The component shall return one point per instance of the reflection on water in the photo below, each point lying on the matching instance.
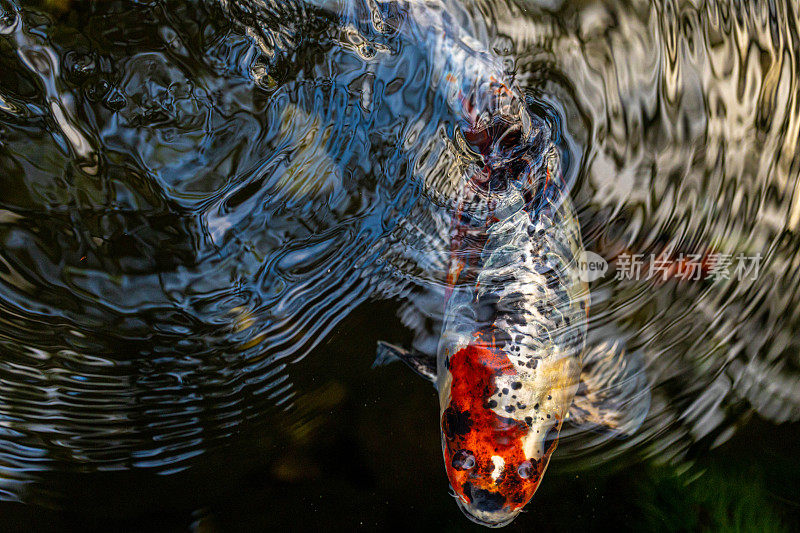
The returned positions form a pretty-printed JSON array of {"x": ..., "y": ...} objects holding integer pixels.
[{"x": 197, "y": 195}]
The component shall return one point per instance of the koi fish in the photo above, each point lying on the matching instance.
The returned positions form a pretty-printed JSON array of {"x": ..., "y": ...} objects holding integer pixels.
[{"x": 509, "y": 359}]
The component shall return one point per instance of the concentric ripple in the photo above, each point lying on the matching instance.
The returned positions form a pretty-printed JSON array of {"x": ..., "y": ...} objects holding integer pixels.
[{"x": 194, "y": 194}]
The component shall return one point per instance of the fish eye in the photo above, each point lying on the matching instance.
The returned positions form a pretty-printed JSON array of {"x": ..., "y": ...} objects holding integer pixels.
[
  {"x": 525, "y": 470},
  {"x": 463, "y": 460}
]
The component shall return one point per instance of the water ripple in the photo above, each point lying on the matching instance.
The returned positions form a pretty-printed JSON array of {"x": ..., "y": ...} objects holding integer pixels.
[{"x": 195, "y": 194}]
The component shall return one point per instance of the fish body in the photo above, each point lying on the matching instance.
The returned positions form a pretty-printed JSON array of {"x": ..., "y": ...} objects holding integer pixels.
[{"x": 509, "y": 358}]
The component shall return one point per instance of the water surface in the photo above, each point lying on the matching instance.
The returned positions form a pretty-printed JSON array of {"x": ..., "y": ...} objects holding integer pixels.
[{"x": 210, "y": 213}]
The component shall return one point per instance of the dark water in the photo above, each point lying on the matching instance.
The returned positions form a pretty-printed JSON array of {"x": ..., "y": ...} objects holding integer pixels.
[{"x": 210, "y": 213}]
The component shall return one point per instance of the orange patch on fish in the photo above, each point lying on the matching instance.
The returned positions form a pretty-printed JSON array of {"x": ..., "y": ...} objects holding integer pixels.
[{"x": 471, "y": 427}]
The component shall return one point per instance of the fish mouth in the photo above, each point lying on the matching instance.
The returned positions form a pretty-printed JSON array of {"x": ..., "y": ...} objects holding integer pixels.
[{"x": 485, "y": 507}]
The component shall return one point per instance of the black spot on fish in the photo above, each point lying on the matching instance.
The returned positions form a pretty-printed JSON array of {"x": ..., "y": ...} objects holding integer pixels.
[
  {"x": 491, "y": 404},
  {"x": 483, "y": 500},
  {"x": 513, "y": 297},
  {"x": 516, "y": 385},
  {"x": 536, "y": 406},
  {"x": 505, "y": 390},
  {"x": 509, "y": 408},
  {"x": 516, "y": 318},
  {"x": 486, "y": 308},
  {"x": 455, "y": 423},
  {"x": 529, "y": 421},
  {"x": 521, "y": 405},
  {"x": 501, "y": 337},
  {"x": 519, "y": 338}
]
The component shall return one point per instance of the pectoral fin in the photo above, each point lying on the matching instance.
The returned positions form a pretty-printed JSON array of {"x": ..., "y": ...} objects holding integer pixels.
[
  {"x": 422, "y": 364},
  {"x": 614, "y": 394}
]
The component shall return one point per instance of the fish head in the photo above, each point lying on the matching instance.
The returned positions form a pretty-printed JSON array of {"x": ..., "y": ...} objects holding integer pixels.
[
  {"x": 491, "y": 473},
  {"x": 494, "y": 461}
]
